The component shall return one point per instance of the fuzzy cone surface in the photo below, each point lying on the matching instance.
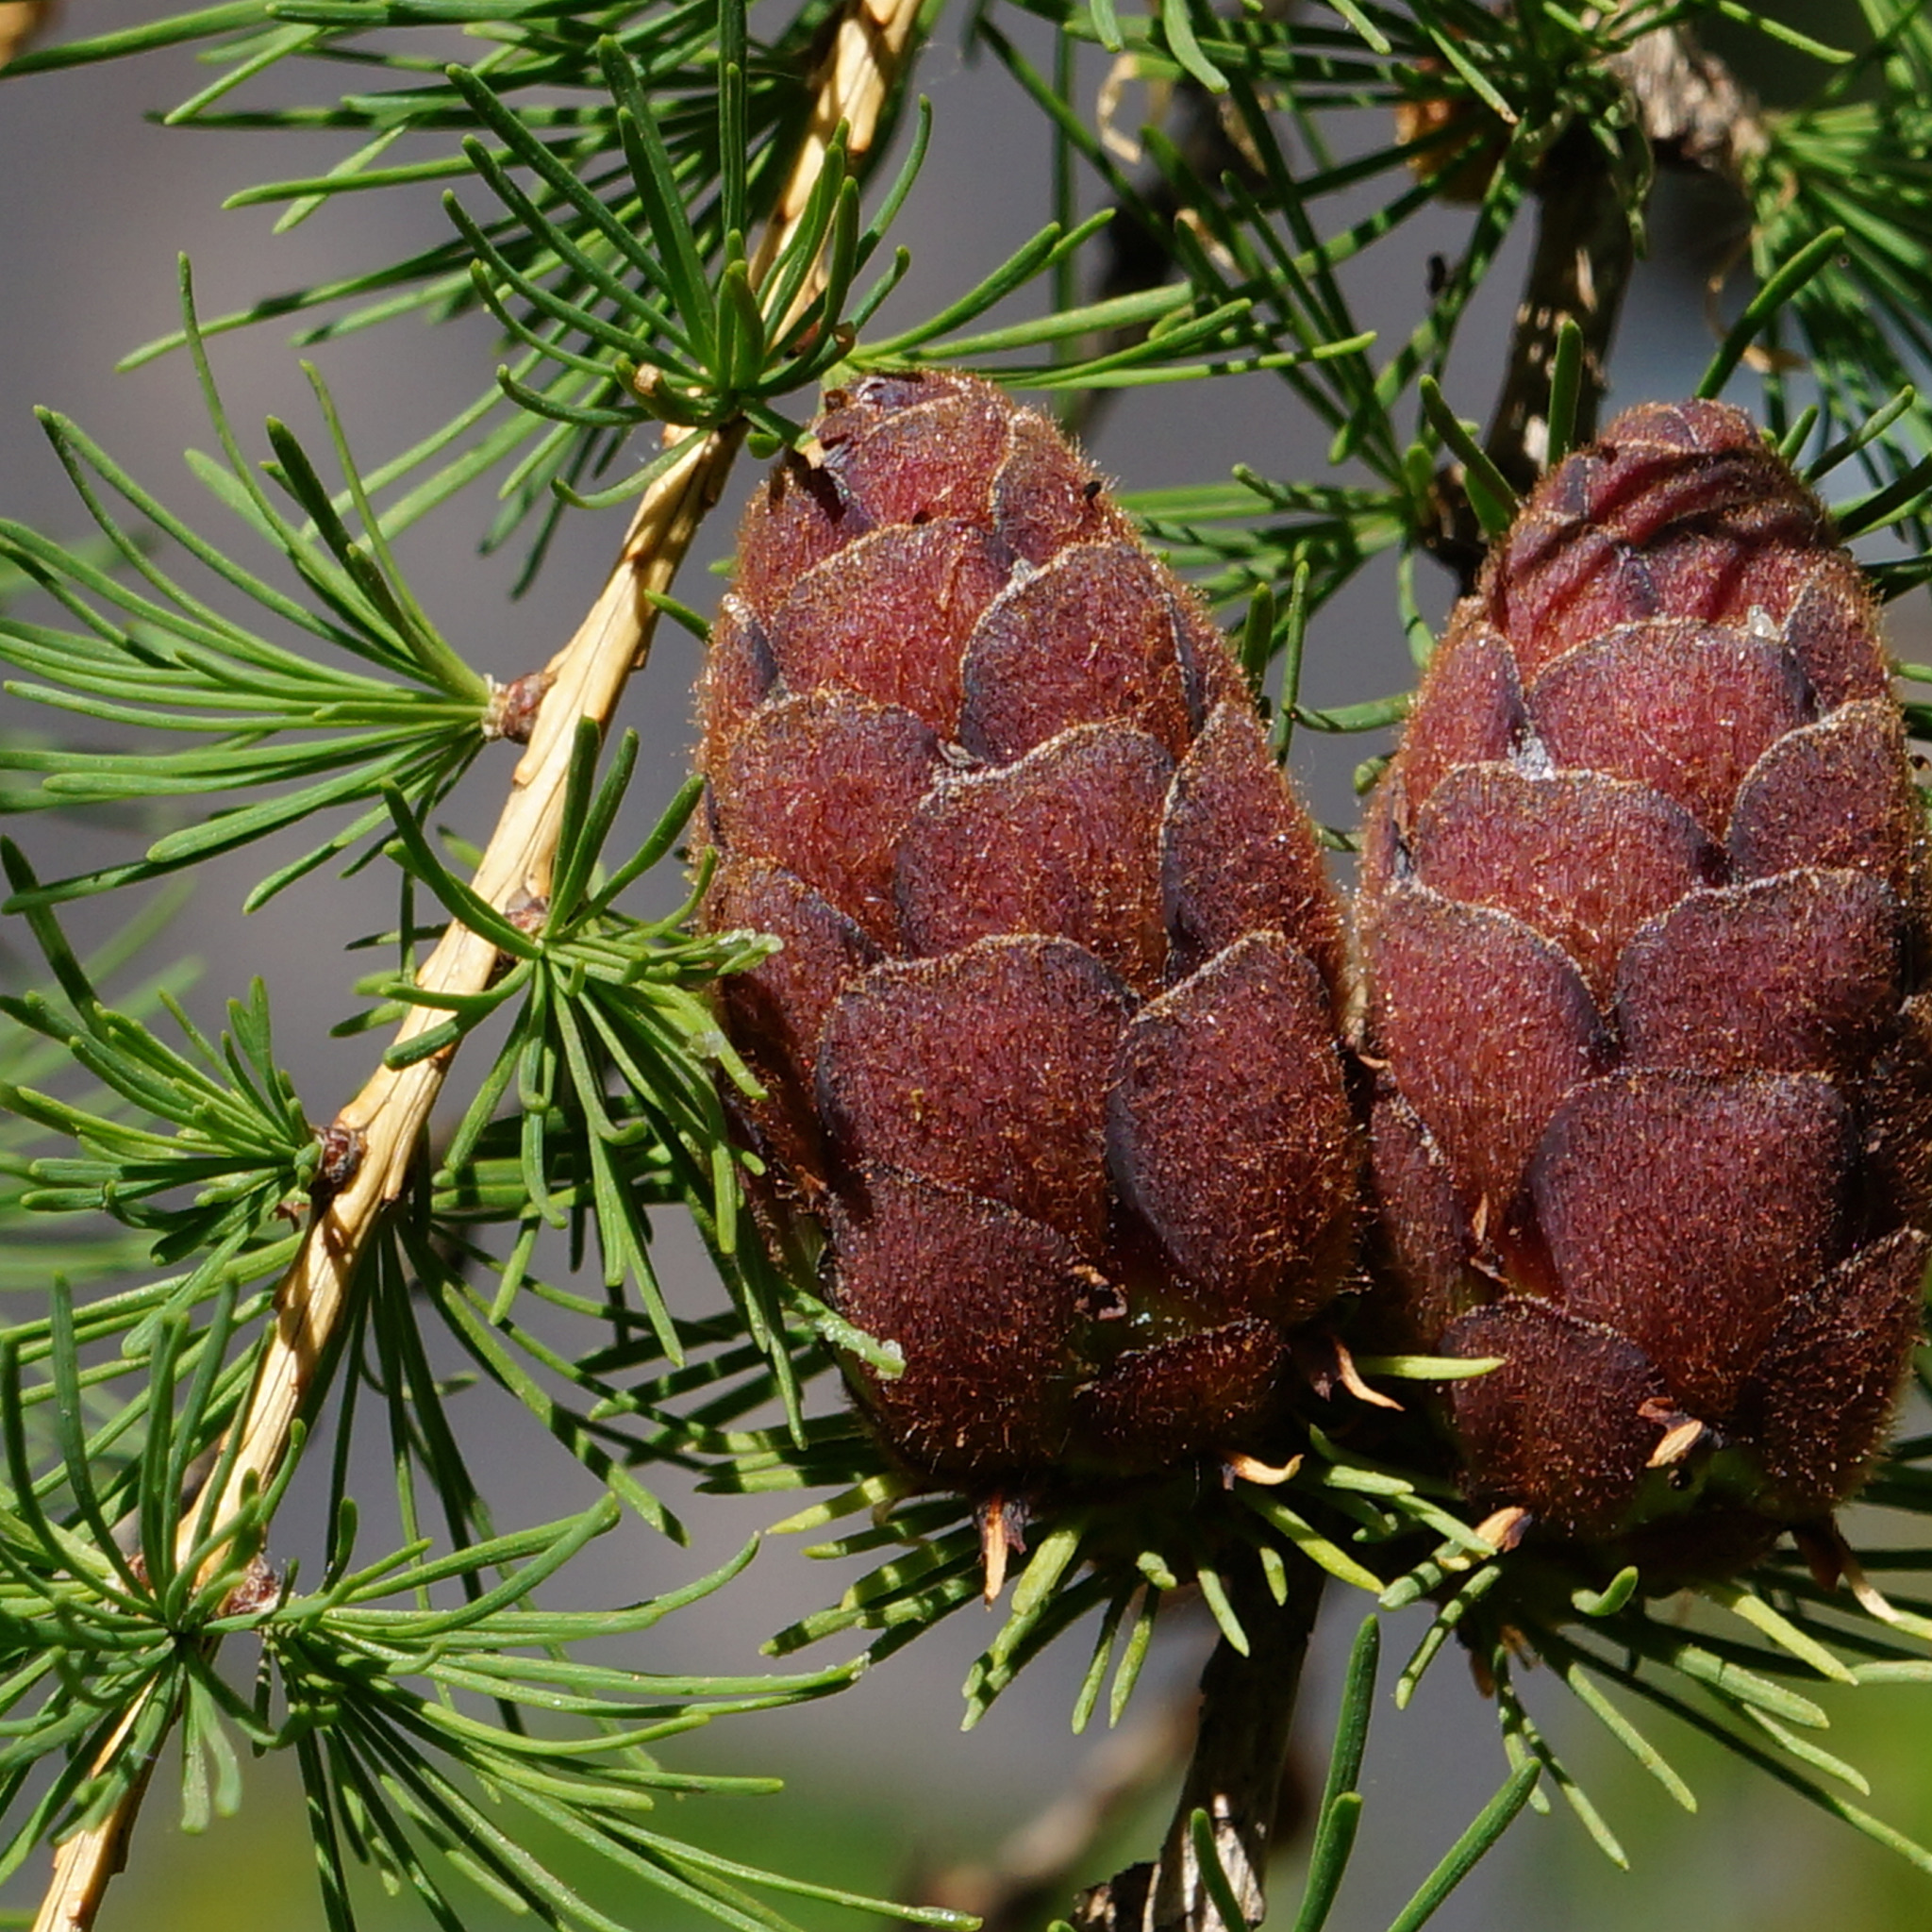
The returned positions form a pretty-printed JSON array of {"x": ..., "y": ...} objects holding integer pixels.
[
  {"x": 1644, "y": 917},
  {"x": 1049, "y": 1051}
]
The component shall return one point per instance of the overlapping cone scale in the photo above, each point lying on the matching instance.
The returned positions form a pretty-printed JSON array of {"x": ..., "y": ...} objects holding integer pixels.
[
  {"x": 1644, "y": 921},
  {"x": 1049, "y": 1052}
]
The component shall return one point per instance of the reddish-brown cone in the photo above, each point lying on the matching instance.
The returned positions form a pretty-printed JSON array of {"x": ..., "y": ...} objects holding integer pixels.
[
  {"x": 1049, "y": 1051},
  {"x": 1645, "y": 912}
]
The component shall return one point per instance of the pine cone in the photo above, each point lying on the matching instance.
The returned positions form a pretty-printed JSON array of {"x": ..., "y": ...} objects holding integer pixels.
[
  {"x": 1049, "y": 1052},
  {"x": 1645, "y": 914}
]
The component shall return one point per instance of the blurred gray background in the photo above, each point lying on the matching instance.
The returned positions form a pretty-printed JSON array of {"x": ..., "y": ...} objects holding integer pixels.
[{"x": 97, "y": 203}]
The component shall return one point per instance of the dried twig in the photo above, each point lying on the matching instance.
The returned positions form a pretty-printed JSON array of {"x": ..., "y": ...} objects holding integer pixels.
[
  {"x": 586, "y": 679},
  {"x": 22, "y": 22}
]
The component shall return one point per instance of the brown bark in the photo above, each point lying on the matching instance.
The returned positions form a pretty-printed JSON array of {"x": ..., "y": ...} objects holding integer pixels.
[{"x": 1240, "y": 1747}]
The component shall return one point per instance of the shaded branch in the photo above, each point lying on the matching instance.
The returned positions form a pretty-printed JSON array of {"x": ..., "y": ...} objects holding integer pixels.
[
  {"x": 1025, "y": 1884},
  {"x": 1691, "y": 114},
  {"x": 1578, "y": 270},
  {"x": 1241, "y": 1746}
]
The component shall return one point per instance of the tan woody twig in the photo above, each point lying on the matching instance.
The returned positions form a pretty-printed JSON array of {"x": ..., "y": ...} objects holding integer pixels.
[
  {"x": 387, "y": 1118},
  {"x": 22, "y": 22}
]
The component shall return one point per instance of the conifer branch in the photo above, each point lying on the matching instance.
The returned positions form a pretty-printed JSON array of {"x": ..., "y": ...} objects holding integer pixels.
[
  {"x": 1580, "y": 271},
  {"x": 385, "y": 1122},
  {"x": 1234, "y": 1776},
  {"x": 1688, "y": 112},
  {"x": 1247, "y": 1712},
  {"x": 387, "y": 1118},
  {"x": 1691, "y": 114},
  {"x": 618, "y": 269}
]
